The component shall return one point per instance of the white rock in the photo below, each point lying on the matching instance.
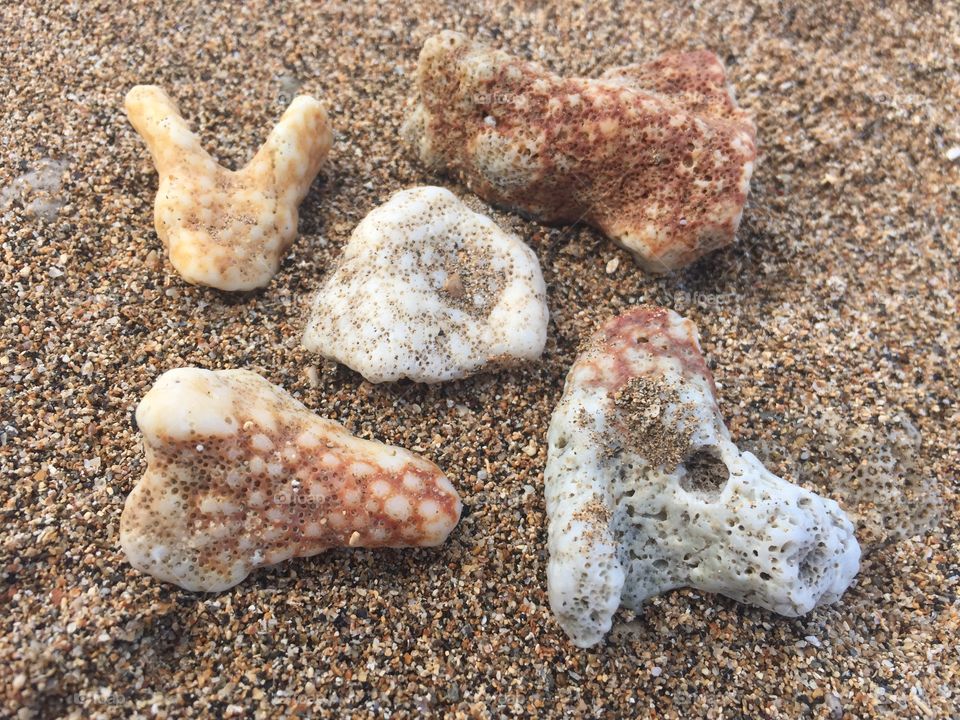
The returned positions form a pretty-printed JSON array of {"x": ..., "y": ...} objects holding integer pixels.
[
  {"x": 646, "y": 491},
  {"x": 429, "y": 290}
]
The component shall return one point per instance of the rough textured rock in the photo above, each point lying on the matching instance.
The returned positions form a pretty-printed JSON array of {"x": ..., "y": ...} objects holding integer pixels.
[
  {"x": 646, "y": 491},
  {"x": 429, "y": 290},
  {"x": 656, "y": 156},
  {"x": 241, "y": 475},
  {"x": 223, "y": 228}
]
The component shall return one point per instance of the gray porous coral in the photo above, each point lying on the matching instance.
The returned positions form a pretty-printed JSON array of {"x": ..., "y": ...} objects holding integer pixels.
[{"x": 646, "y": 491}]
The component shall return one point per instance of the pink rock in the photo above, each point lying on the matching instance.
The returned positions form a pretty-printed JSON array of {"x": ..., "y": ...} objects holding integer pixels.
[
  {"x": 240, "y": 475},
  {"x": 656, "y": 156}
]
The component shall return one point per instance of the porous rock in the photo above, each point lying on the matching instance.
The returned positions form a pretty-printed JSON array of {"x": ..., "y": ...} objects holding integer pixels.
[
  {"x": 223, "y": 228},
  {"x": 657, "y": 156},
  {"x": 646, "y": 491},
  {"x": 429, "y": 290},
  {"x": 241, "y": 475}
]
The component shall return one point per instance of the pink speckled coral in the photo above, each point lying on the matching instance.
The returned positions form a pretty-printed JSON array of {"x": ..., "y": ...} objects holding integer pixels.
[
  {"x": 241, "y": 475},
  {"x": 658, "y": 156}
]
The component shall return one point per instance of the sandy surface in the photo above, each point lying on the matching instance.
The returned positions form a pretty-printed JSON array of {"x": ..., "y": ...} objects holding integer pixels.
[{"x": 831, "y": 327}]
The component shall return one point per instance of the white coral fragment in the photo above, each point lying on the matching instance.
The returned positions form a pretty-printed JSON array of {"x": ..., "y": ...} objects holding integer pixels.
[
  {"x": 657, "y": 156},
  {"x": 229, "y": 229},
  {"x": 646, "y": 491},
  {"x": 241, "y": 475},
  {"x": 429, "y": 290}
]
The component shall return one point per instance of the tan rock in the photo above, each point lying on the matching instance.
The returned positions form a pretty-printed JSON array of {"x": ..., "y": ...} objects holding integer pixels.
[{"x": 223, "y": 228}]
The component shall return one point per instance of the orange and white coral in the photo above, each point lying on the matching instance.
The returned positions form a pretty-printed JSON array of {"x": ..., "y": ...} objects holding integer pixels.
[
  {"x": 657, "y": 156},
  {"x": 241, "y": 475},
  {"x": 223, "y": 228}
]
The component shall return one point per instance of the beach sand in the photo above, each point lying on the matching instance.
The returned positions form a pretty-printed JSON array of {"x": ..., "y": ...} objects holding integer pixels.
[{"x": 831, "y": 327}]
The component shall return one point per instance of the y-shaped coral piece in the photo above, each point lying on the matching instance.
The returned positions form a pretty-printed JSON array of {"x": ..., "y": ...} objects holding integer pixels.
[
  {"x": 241, "y": 475},
  {"x": 656, "y": 156},
  {"x": 646, "y": 491},
  {"x": 223, "y": 228}
]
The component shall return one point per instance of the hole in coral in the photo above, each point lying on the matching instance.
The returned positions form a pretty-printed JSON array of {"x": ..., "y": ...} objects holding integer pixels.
[
  {"x": 704, "y": 474},
  {"x": 810, "y": 566}
]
